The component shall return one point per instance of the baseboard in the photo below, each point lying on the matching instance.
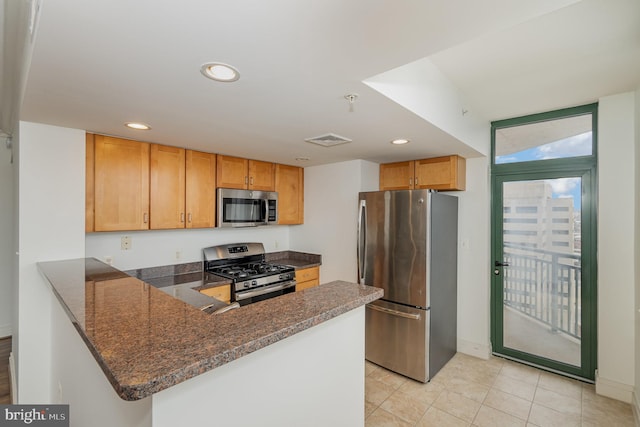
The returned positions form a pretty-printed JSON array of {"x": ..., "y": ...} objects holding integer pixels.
[
  {"x": 5, "y": 331},
  {"x": 13, "y": 389},
  {"x": 636, "y": 408},
  {"x": 614, "y": 389},
  {"x": 474, "y": 349}
]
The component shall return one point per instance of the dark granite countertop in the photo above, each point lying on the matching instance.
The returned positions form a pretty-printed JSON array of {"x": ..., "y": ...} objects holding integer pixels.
[
  {"x": 145, "y": 340},
  {"x": 186, "y": 288},
  {"x": 296, "y": 259}
]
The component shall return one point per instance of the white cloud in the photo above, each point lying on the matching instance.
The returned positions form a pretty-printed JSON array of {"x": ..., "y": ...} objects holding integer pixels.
[
  {"x": 564, "y": 187},
  {"x": 579, "y": 145}
]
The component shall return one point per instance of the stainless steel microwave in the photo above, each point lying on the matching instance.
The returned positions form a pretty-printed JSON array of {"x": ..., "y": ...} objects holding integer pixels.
[{"x": 246, "y": 208}]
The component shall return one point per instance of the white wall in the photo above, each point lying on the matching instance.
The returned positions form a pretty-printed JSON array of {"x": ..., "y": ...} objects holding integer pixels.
[
  {"x": 6, "y": 241},
  {"x": 331, "y": 215},
  {"x": 50, "y": 227},
  {"x": 311, "y": 379},
  {"x": 637, "y": 254},
  {"x": 616, "y": 207},
  {"x": 422, "y": 88},
  {"x": 159, "y": 247},
  {"x": 474, "y": 260},
  {"x": 78, "y": 381}
]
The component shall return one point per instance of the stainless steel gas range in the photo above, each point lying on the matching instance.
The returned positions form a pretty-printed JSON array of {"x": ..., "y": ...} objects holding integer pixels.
[{"x": 253, "y": 279}]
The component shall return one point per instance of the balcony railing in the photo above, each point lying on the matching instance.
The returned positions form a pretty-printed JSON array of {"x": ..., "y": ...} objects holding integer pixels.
[{"x": 544, "y": 285}]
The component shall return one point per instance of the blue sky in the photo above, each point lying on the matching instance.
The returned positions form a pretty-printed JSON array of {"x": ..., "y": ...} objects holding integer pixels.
[{"x": 578, "y": 145}]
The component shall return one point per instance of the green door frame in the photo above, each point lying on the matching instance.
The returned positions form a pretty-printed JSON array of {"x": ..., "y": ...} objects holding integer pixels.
[{"x": 586, "y": 168}]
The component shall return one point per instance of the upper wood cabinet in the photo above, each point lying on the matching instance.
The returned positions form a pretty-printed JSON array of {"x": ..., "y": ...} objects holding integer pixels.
[
  {"x": 396, "y": 176},
  {"x": 290, "y": 188},
  {"x": 89, "y": 183},
  {"x": 183, "y": 188},
  {"x": 440, "y": 173},
  {"x": 167, "y": 194},
  {"x": 236, "y": 172},
  {"x": 201, "y": 189},
  {"x": 121, "y": 186}
]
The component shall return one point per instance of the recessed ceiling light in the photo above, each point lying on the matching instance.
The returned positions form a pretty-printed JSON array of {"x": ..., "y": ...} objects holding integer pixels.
[
  {"x": 220, "y": 72},
  {"x": 400, "y": 141},
  {"x": 137, "y": 126}
]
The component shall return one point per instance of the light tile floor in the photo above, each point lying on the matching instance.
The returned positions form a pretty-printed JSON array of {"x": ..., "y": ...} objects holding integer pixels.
[{"x": 487, "y": 393}]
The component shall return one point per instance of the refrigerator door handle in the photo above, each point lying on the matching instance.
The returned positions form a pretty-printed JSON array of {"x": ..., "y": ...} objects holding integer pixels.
[
  {"x": 362, "y": 240},
  {"x": 394, "y": 312}
]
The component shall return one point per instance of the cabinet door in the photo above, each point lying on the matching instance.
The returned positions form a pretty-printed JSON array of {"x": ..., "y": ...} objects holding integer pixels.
[
  {"x": 221, "y": 293},
  {"x": 441, "y": 173},
  {"x": 396, "y": 176},
  {"x": 167, "y": 187},
  {"x": 290, "y": 188},
  {"x": 121, "y": 184},
  {"x": 261, "y": 176},
  {"x": 307, "y": 278},
  {"x": 232, "y": 172},
  {"x": 201, "y": 189},
  {"x": 89, "y": 182}
]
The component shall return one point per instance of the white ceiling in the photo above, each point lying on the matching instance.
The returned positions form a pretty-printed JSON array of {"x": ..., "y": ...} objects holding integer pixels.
[{"x": 97, "y": 64}]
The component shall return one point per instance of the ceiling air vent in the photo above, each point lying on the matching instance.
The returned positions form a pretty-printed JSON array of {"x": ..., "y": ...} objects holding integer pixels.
[{"x": 328, "y": 140}]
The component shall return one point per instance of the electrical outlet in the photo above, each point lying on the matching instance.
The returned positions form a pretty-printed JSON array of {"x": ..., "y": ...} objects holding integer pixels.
[
  {"x": 125, "y": 243},
  {"x": 108, "y": 259},
  {"x": 178, "y": 255}
]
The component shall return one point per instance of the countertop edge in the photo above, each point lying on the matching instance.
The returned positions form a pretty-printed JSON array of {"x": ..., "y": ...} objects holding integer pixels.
[{"x": 357, "y": 296}]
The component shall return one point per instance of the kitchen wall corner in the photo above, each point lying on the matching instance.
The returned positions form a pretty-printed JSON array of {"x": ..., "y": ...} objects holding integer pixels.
[{"x": 331, "y": 211}]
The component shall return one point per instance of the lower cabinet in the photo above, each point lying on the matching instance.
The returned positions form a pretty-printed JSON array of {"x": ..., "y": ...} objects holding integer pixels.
[
  {"x": 221, "y": 293},
  {"x": 307, "y": 278}
]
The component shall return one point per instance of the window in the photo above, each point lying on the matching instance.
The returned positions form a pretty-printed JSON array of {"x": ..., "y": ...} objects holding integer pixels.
[
  {"x": 521, "y": 232},
  {"x": 551, "y": 139},
  {"x": 527, "y": 209}
]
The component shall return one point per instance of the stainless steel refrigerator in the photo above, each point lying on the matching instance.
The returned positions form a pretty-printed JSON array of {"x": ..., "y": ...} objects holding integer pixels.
[{"x": 407, "y": 245}]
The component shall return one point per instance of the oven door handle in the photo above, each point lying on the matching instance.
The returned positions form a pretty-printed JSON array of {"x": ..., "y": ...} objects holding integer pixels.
[{"x": 249, "y": 294}]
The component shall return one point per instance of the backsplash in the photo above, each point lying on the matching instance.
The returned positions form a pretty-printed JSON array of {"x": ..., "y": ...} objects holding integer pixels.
[
  {"x": 166, "y": 270},
  {"x": 168, "y": 247}
]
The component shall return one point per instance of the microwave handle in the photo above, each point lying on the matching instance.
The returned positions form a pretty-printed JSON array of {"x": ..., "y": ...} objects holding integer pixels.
[{"x": 266, "y": 211}]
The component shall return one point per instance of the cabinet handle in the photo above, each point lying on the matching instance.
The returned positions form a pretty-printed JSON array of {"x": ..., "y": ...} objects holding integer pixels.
[
  {"x": 246, "y": 179},
  {"x": 181, "y": 216},
  {"x": 189, "y": 218},
  {"x": 251, "y": 180},
  {"x": 416, "y": 182},
  {"x": 410, "y": 182},
  {"x": 145, "y": 217}
]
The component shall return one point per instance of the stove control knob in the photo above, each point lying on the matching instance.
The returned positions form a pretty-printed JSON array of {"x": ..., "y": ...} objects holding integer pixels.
[
  {"x": 246, "y": 284},
  {"x": 254, "y": 283}
]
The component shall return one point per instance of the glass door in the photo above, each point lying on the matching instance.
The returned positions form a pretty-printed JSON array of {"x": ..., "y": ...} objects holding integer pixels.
[{"x": 543, "y": 287}]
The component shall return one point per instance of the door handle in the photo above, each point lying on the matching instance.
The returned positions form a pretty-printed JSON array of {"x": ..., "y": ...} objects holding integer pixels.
[
  {"x": 394, "y": 312},
  {"x": 501, "y": 264},
  {"x": 362, "y": 243}
]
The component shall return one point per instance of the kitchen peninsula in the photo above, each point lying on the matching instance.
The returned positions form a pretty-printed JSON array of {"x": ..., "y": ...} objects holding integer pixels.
[{"x": 284, "y": 361}]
